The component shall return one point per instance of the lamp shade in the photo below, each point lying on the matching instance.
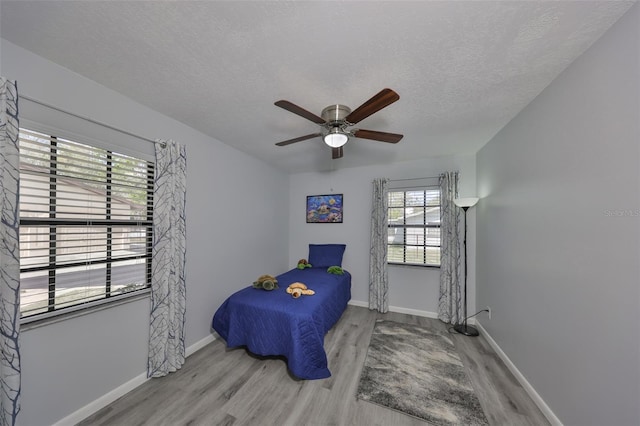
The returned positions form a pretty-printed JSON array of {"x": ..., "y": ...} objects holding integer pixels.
[
  {"x": 466, "y": 202},
  {"x": 335, "y": 139}
]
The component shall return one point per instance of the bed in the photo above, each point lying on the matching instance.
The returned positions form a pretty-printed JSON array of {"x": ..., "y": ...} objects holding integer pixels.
[{"x": 274, "y": 323}]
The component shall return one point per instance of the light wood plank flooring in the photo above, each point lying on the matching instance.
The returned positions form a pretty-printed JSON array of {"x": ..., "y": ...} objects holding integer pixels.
[{"x": 220, "y": 386}]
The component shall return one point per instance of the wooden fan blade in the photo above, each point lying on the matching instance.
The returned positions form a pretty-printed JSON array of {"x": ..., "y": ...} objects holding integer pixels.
[
  {"x": 378, "y": 136},
  {"x": 384, "y": 98},
  {"x": 336, "y": 153},
  {"x": 301, "y": 138},
  {"x": 299, "y": 111}
]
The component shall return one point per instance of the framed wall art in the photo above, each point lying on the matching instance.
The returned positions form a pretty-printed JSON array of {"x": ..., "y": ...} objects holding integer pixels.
[{"x": 324, "y": 208}]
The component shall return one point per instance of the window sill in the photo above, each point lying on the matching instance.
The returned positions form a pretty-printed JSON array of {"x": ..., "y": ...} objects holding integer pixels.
[
  {"x": 414, "y": 265},
  {"x": 30, "y": 323}
]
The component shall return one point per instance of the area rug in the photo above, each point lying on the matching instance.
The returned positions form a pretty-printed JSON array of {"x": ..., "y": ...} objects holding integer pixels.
[{"x": 417, "y": 371}]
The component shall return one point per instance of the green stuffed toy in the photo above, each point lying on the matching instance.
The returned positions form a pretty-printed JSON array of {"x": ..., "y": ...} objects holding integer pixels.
[
  {"x": 302, "y": 263},
  {"x": 266, "y": 282},
  {"x": 335, "y": 270}
]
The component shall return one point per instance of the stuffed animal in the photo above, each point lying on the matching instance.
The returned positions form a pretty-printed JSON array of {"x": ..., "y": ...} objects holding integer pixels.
[
  {"x": 302, "y": 263},
  {"x": 266, "y": 282},
  {"x": 335, "y": 270},
  {"x": 297, "y": 289}
]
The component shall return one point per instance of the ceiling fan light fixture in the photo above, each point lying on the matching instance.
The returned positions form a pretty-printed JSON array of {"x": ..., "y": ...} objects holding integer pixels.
[{"x": 336, "y": 138}]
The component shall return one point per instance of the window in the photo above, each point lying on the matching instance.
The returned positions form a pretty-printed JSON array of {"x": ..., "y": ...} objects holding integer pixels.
[
  {"x": 85, "y": 224},
  {"x": 414, "y": 227}
]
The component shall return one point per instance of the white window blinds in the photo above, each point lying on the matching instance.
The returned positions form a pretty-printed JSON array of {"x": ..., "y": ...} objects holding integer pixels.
[
  {"x": 85, "y": 223},
  {"x": 414, "y": 227}
]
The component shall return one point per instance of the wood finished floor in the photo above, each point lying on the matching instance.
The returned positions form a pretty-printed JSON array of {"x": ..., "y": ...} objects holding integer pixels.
[{"x": 220, "y": 386}]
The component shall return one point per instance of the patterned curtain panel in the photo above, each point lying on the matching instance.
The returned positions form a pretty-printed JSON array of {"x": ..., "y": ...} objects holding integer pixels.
[
  {"x": 168, "y": 290},
  {"x": 450, "y": 301},
  {"x": 9, "y": 255},
  {"x": 378, "y": 275}
]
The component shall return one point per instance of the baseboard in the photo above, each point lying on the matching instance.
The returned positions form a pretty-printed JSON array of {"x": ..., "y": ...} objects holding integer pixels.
[
  {"x": 102, "y": 402},
  {"x": 555, "y": 421},
  {"x": 199, "y": 344},
  {"x": 401, "y": 310},
  {"x": 358, "y": 303},
  {"x": 122, "y": 390},
  {"x": 416, "y": 312}
]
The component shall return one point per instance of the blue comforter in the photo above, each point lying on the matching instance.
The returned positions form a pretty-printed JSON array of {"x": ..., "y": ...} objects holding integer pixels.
[{"x": 274, "y": 323}]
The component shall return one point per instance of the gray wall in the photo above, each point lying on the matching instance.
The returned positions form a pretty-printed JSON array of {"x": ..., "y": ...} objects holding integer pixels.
[
  {"x": 70, "y": 364},
  {"x": 412, "y": 289},
  {"x": 558, "y": 248}
]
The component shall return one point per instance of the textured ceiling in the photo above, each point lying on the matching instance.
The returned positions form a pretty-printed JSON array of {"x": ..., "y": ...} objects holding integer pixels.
[{"x": 462, "y": 69}]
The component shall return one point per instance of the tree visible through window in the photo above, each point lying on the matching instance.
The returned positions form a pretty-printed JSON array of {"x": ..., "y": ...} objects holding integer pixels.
[
  {"x": 414, "y": 227},
  {"x": 85, "y": 223}
]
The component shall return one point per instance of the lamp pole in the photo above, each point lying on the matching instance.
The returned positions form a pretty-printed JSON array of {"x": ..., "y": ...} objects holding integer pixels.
[{"x": 463, "y": 328}]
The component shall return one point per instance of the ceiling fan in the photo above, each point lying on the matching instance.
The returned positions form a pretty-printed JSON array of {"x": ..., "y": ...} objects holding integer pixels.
[{"x": 335, "y": 119}]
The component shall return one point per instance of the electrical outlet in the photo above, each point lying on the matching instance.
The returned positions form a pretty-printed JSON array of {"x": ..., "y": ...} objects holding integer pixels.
[{"x": 489, "y": 311}]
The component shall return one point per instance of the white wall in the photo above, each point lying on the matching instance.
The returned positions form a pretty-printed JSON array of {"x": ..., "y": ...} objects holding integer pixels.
[
  {"x": 558, "y": 250},
  {"x": 236, "y": 230},
  {"x": 410, "y": 288}
]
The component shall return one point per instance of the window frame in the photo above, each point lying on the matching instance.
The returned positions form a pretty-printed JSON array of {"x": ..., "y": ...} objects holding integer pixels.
[
  {"x": 54, "y": 224},
  {"x": 425, "y": 226}
]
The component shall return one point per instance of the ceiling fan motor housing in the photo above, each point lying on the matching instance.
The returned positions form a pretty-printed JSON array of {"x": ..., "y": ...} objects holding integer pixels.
[{"x": 335, "y": 114}]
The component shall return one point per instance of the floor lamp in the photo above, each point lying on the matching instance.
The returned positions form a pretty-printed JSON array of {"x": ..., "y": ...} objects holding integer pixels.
[{"x": 463, "y": 328}]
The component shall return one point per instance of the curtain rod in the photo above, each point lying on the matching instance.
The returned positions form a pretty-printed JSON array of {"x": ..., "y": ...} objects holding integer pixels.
[
  {"x": 90, "y": 120},
  {"x": 417, "y": 178}
]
